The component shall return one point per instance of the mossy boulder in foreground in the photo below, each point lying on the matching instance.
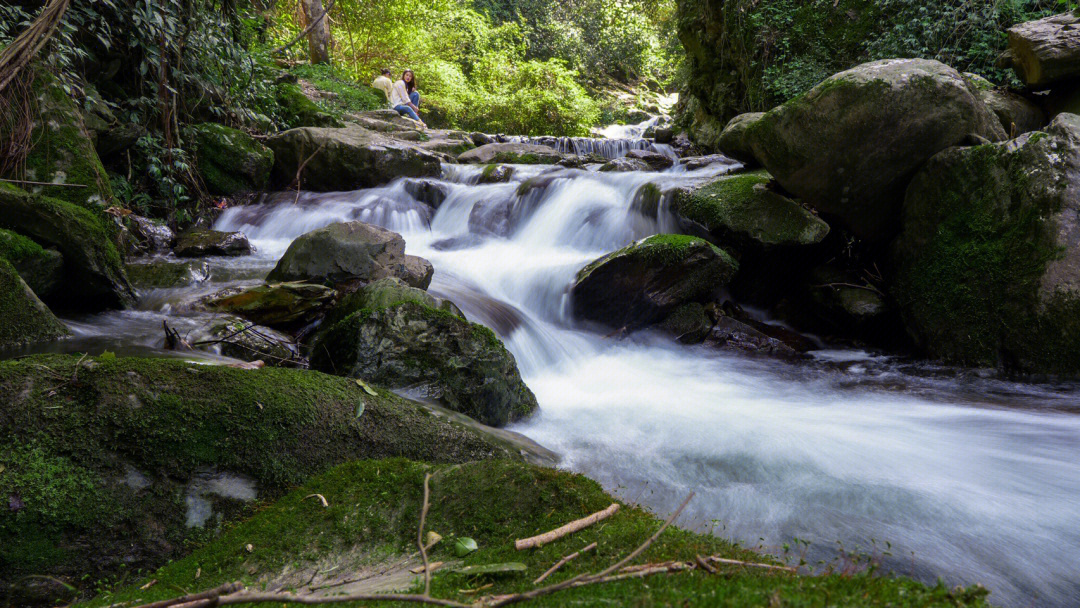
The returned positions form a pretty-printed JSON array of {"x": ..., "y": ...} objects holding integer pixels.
[
  {"x": 42, "y": 269},
  {"x": 231, "y": 161},
  {"x": 644, "y": 282},
  {"x": 849, "y": 146},
  {"x": 108, "y": 462},
  {"x": 93, "y": 273},
  {"x": 24, "y": 318},
  {"x": 370, "y": 526},
  {"x": 434, "y": 351},
  {"x": 988, "y": 263}
]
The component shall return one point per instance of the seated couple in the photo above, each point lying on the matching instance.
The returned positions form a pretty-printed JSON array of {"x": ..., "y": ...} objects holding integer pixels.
[{"x": 402, "y": 94}]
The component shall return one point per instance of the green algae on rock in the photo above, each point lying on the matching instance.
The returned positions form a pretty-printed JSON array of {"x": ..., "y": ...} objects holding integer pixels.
[
  {"x": 273, "y": 304},
  {"x": 988, "y": 267},
  {"x": 230, "y": 161},
  {"x": 41, "y": 268},
  {"x": 25, "y": 319},
  {"x": 104, "y": 460}
]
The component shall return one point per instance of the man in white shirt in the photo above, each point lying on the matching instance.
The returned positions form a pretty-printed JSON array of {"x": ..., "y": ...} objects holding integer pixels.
[{"x": 383, "y": 83}]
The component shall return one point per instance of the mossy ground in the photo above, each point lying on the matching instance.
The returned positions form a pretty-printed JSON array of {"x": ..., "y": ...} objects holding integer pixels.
[
  {"x": 16, "y": 247},
  {"x": 299, "y": 111},
  {"x": 350, "y": 96},
  {"x": 374, "y": 510},
  {"x": 70, "y": 435}
]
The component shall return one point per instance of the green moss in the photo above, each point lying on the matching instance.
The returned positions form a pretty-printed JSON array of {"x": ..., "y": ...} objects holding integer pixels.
[
  {"x": 374, "y": 509},
  {"x": 349, "y": 96},
  {"x": 16, "y": 247},
  {"x": 297, "y": 110},
  {"x": 25, "y": 318},
  {"x": 229, "y": 160},
  {"x": 661, "y": 249},
  {"x": 78, "y": 434}
]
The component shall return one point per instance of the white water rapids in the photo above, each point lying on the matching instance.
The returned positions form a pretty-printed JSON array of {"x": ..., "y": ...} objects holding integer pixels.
[{"x": 932, "y": 471}]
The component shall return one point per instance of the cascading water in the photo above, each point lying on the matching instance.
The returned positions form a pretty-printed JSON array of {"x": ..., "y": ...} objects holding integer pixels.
[{"x": 614, "y": 142}]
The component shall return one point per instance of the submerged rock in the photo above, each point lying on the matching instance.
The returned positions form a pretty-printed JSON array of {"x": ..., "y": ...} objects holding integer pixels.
[
  {"x": 428, "y": 191},
  {"x": 412, "y": 345},
  {"x": 25, "y": 319},
  {"x": 346, "y": 158},
  {"x": 167, "y": 274},
  {"x": 644, "y": 282},
  {"x": 624, "y": 165},
  {"x": 199, "y": 242},
  {"x": 512, "y": 154},
  {"x": 849, "y": 146},
  {"x": 273, "y": 304},
  {"x": 351, "y": 251},
  {"x": 988, "y": 263},
  {"x": 42, "y": 269},
  {"x": 732, "y": 334},
  {"x": 93, "y": 273},
  {"x": 230, "y": 161}
]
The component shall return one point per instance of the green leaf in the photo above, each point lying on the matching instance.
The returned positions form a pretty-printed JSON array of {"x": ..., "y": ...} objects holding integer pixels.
[
  {"x": 359, "y": 408},
  {"x": 107, "y": 356},
  {"x": 464, "y": 546},
  {"x": 367, "y": 388}
]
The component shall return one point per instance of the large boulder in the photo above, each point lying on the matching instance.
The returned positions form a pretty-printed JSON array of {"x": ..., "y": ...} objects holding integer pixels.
[
  {"x": 93, "y": 273},
  {"x": 42, "y": 269},
  {"x": 26, "y": 319},
  {"x": 199, "y": 242},
  {"x": 988, "y": 263},
  {"x": 733, "y": 141},
  {"x": 346, "y": 159},
  {"x": 1047, "y": 50},
  {"x": 230, "y": 161},
  {"x": 298, "y": 111},
  {"x": 351, "y": 251},
  {"x": 412, "y": 345},
  {"x": 850, "y": 145},
  {"x": 1016, "y": 113},
  {"x": 511, "y": 154},
  {"x": 644, "y": 282},
  {"x": 118, "y": 470},
  {"x": 273, "y": 304}
]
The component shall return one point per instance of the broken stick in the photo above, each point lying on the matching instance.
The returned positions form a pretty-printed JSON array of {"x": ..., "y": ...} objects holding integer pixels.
[
  {"x": 562, "y": 562},
  {"x": 570, "y": 528}
]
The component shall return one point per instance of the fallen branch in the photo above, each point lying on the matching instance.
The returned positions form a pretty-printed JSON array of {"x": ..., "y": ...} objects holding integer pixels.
[
  {"x": 570, "y": 528},
  {"x": 26, "y": 45},
  {"x": 300, "y": 170},
  {"x": 30, "y": 183},
  {"x": 562, "y": 562},
  {"x": 736, "y": 562},
  {"x": 420, "y": 536}
]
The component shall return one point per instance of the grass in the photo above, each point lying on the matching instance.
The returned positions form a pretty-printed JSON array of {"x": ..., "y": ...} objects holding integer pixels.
[
  {"x": 373, "y": 513},
  {"x": 351, "y": 96}
]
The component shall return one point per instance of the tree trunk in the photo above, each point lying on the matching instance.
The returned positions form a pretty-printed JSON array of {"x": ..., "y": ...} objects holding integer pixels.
[
  {"x": 1047, "y": 50},
  {"x": 319, "y": 36}
]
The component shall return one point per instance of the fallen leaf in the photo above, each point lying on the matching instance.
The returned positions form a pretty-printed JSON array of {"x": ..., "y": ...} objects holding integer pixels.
[
  {"x": 432, "y": 566},
  {"x": 118, "y": 211},
  {"x": 477, "y": 590},
  {"x": 198, "y": 572},
  {"x": 249, "y": 547},
  {"x": 433, "y": 537},
  {"x": 464, "y": 546},
  {"x": 320, "y": 497},
  {"x": 367, "y": 388}
]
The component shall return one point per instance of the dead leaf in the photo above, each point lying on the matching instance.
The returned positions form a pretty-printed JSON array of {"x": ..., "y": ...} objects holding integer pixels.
[
  {"x": 249, "y": 548},
  {"x": 198, "y": 572},
  {"x": 148, "y": 585},
  {"x": 118, "y": 211},
  {"x": 321, "y": 498},
  {"x": 477, "y": 590},
  {"x": 432, "y": 566}
]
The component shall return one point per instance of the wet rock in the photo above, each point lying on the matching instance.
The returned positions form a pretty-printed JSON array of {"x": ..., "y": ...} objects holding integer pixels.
[
  {"x": 42, "y": 269},
  {"x": 732, "y": 334},
  {"x": 411, "y": 345},
  {"x": 648, "y": 280},
  {"x": 481, "y": 139},
  {"x": 579, "y": 162},
  {"x": 199, "y": 242},
  {"x": 381, "y": 294},
  {"x": 733, "y": 141},
  {"x": 1016, "y": 113},
  {"x": 348, "y": 158},
  {"x": 849, "y": 146},
  {"x": 230, "y": 161},
  {"x": 625, "y": 164},
  {"x": 655, "y": 160},
  {"x": 689, "y": 323},
  {"x": 350, "y": 251},
  {"x": 245, "y": 341},
  {"x": 495, "y": 174},
  {"x": 988, "y": 262},
  {"x": 25, "y": 319},
  {"x": 93, "y": 273},
  {"x": 512, "y": 154},
  {"x": 664, "y": 135},
  {"x": 274, "y": 304},
  {"x": 693, "y": 163},
  {"x": 167, "y": 274},
  {"x": 428, "y": 191},
  {"x": 847, "y": 305},
  {"x": 149, "y": 236}
]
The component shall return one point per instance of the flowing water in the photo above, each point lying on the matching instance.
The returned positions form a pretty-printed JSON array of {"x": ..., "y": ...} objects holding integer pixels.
[{"x": 932, "y": 471}]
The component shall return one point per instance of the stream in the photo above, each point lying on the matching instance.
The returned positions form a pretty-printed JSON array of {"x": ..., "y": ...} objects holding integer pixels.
[{"x": 930, "y": 471}]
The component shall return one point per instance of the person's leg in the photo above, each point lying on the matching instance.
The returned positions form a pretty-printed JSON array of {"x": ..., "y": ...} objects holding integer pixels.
[
  {"x": 414, "y": 97},
  {"x": 405, "y": 110}
]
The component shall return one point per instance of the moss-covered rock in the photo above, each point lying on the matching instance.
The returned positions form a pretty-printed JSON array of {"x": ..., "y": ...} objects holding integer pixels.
[
  {"x": 93, "y": 273},
  {"x": 742, "y": 210},
  {"x": 298, "y": 111},
  {"x": 849, "y": 146},
  {"x": 644, "y": 282},
  {"x": 63, "y": 151},
  {"x": 733, "y": 141},
  {"x": 412, "y": 345},
  {"x": 495, "y": 174},
  {"x": 346, "y": 159},
  {"x": 689, "y": 323},
  {"x": 511, "y": 154},
  {"x": 230, "y": 161},
  {"x": 273, "y": 304},
  {"x": 109, "y": 461},
  {"x": 988, "y": 266},
  {"x": 159, "y": 273},
  {"x": 199, "y": 242},
  {"x": 350, "y": 251},
  {"x": 42, "y": 269},
  {"x": 243, "y": 340},
  {"x": 1016, "y": 113},
  {"x": 25, "y": 319}
]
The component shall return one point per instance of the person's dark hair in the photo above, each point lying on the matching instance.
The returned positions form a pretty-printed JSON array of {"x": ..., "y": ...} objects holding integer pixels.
[
  {"x": 386, "y": 72},
  {"x": 410, "y": 85}
]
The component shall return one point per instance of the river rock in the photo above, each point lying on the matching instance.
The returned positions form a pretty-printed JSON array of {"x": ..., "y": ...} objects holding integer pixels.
[
  {"x": 346, "y": 158},
  {"x": 731, "y": 334},
  {"x": 149, "y": 236},
  {"x": 1016, "y": 114},
  {"x": 273, "y": 304},
  {"x": 849, "y": 146},
  {"x": 25, "y": 319},
  {"x": 644, "y": 282},
  {"x": 693, "y": 163},
  {"x": 245, "y": 341},
  {"x": 733, "y": 141},
  {"x": 350, "y": 251},
  {"x": 230, "y": 161},
  {"x": 495, "y": 174},
  {"x": 988, "y": 263},
  {"x": 848, "y": 306},
  {"x": 42, "y": 269},
  {"x": 158, "y": 273},
  {"x": 511, "y": 154},
  {"x": 93, "y": 273},
  {"x": 428, "y": 191},
  {"x": 199, "y": 242},
  {"x": 411, "y": 345},
  {"x": 1046, "y": 50},
  {"x": 655, "y": 160},
  {"x": 624, "y": 165}
]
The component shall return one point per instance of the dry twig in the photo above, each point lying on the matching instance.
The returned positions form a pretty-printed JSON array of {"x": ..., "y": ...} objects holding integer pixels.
[
  {"x": 562, "y": 562},
  {"x": 570, "y": 528},
  {"x": 420, "y": 536}
]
